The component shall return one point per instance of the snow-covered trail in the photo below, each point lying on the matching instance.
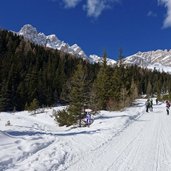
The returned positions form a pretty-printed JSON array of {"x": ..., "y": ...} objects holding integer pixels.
[
  {"x": 145, "y": 145},
  {"x": 129, "y": 140}
]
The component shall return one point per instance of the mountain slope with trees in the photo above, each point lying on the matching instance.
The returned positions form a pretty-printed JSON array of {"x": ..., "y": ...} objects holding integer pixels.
[{"x": 30, "y": 73}]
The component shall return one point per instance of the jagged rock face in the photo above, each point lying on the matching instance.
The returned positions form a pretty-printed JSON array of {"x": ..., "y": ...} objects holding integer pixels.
[
  {"x": 78, "y": 50},
  {"x": 159, "y": 59},
  {"x": 152, "y": 57},
  {"x": 52, "y": 41},
  {"x": 29, "y": 32},
  {"x": 97, "y": 59}
]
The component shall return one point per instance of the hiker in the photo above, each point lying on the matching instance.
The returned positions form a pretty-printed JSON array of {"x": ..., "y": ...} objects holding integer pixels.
[
  {"x": 151, "y": 105},
  {"x": 147, "y": 104},
  {"x": 167, "y": 107},
  {"x": 88, "y": 119},
  {"x": 157, "y": 101}
]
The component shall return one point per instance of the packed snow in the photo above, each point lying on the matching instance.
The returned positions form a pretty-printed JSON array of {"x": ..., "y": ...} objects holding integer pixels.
[{"x": 125, "y": 140}]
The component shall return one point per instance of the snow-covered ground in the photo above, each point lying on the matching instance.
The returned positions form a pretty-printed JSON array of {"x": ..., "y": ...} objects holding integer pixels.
[{"x": 116, "y": 141}]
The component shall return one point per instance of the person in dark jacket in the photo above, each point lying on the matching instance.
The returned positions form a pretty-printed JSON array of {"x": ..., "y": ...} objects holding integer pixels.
[
  {"x": 167, "y": 107},
  {"x": 147, "y": 104},
  {"x": 151, "y": 104}
]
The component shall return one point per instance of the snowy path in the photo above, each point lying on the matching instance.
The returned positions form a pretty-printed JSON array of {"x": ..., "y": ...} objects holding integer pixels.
[
  {"x": 144, "y": 145},
  {"x": 131, "y": 140}
]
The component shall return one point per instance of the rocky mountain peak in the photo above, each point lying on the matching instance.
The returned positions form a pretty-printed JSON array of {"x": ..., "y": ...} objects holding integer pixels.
[
  {"x": 30, "y": 33},
  {"x": 28, "y": 29}
]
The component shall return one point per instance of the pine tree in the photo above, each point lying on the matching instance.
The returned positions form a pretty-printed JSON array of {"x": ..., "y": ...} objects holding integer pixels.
[
  {"x": 101, "y": 87},
  {"x": 149, "y": 89},
  {"x": 77, "y": 93},
  {"x": 115, "y": 90},
  {"x": 120, "y": 58},
  {"x": 34, "y": 105},
  {"x": 134, "y": 90}
]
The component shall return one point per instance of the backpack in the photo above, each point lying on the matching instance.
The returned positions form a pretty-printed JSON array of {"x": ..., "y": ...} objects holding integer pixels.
[
  {"x": 168, "y": 105},
  {"x": 147, "y": 103}
]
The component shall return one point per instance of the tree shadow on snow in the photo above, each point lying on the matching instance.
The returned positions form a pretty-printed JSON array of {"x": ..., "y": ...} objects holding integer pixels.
[
  {"x": 133, "y": 117},
  {"x": 110, "y": 117},
  {"x": 33, "y": 133}
]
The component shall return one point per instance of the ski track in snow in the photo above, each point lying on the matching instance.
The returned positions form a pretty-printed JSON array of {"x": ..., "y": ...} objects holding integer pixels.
[
  {"x": 43, "y": 154},
  {"x": 144, "y": 146},
  {"x": 133, "y": 142}
]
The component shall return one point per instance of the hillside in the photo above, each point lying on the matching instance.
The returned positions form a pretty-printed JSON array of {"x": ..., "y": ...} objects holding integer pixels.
[{"x": 159, "y": 60}]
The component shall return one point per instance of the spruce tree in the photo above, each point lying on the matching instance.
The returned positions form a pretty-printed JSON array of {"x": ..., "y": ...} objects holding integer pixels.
[
  {"x": 149, "y": 88},
  {"x": 34, "y": 105},
  {"x": 100, "y": 87},
  {"x": 77, "y": 94},
  {"x": 115, "y": 92}
]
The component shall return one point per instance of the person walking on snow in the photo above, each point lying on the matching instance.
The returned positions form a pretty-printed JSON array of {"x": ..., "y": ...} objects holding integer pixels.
[
  {"x": 147, "y": 104},
  {"x": 88, "y": 119},
  {"x": 167, "y": 107},
  {"x": 151, "y": 105}
]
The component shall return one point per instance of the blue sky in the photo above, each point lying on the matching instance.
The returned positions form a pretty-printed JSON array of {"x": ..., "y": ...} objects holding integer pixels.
[{"x": 95, "y": 25}]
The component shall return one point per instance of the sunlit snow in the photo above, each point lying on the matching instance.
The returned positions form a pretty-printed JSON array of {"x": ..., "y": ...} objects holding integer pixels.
[{"x": 130, "y": 139}]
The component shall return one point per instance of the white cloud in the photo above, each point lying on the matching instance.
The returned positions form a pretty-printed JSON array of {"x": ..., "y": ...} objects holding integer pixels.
[
  {"x": 71, "y": 3},
  {"x": 167, "y": 4},
  {"x": 94, "y": 8}
]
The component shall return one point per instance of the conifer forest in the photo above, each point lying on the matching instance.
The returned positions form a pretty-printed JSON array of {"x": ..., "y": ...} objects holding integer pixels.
[{"x": 33, "y": 75}]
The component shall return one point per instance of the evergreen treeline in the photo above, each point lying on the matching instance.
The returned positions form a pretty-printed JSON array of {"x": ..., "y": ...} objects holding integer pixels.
[{"x": 30, "y": 73}]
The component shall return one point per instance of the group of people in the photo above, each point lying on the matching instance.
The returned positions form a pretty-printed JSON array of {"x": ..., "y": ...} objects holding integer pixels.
[{"x": 149, "y": 105}]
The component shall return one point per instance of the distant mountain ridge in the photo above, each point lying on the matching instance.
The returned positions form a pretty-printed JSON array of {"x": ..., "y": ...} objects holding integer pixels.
[
  {"x": 159, "y": 59},
  {"x": 30, "y": 33}
]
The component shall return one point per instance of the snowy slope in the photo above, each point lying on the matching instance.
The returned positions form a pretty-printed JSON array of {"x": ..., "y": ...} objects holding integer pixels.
[
  {"x": 159, "y": 59},
  {"x": 116, "y": 141},
  {"x": 97, "y": 59}
]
